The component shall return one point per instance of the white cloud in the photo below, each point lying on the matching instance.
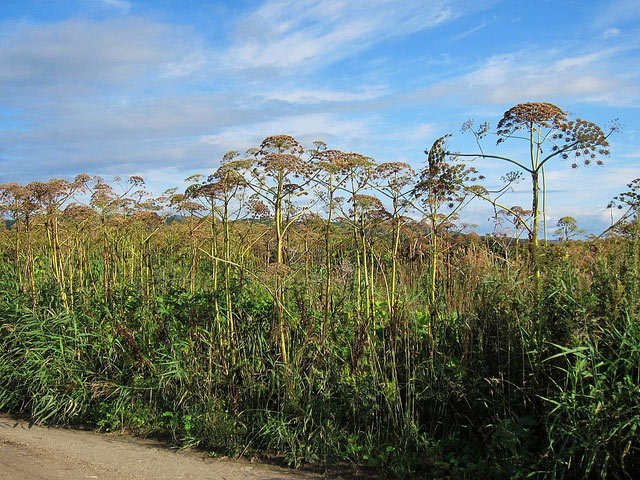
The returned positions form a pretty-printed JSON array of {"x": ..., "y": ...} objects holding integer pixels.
[
  {"x": 286, "y": 34},
  {"x": 305, "y": 128},
  {"x": 509, "y": 78},
  {"x": 534, "y": 76},
  {"x": 319, "y": 95},
  {"x": 119, "y": 5},
  {"x": 583, "y": 194},
  {"x": 87, "y": 53},
  {"x": 617, "y": 12},
  {"x": 470, "y": 31},
  {"x": 610, "y": 33},
  {"x": 117, "y": 96},
  {"x": 420, "y": 132}
]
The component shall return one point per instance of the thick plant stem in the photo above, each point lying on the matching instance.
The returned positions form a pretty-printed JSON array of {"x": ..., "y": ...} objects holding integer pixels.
[
  {"x": 533, "y": 235},
  {"x": 394, "y": 262},
  {"x": 279, "y": 307},
  {"x": 227, "y": 279},
  {"x": 434, "y": 266},
  {"x": 327, "y": 250}
]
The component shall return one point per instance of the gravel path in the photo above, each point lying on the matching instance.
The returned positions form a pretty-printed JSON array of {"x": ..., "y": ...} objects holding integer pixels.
[{"x": 32, "y": 452}]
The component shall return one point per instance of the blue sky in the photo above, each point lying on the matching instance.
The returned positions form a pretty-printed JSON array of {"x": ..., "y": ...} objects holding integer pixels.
[{"x": 164, "y": 88}]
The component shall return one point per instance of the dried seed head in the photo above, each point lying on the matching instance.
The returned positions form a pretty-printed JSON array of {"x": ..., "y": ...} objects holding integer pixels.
[
  {"x": 579, "y": 138},
  {"x": 188, "y": 206},
  {"x": 367, "y": 202},
  {"x": 284, "y": 162},
  {"x": 150, "y": 219},
  {"x": 277, "y": 270},
  {"x": 523, "y": 114},
  {"x": 136, "y": 180},
  {"x": 259, "y": 209},
  {"x": 437, "y": 153},
  {"x": 630, "y": 198},
  {"x": 281, "y": 144},
  {"x": 78, "y": 212},
  {"x": 332, "y": 161}
]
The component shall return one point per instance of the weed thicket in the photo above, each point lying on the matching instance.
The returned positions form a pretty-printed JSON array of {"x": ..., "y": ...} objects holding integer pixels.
[{"x": 361, "y": 339}]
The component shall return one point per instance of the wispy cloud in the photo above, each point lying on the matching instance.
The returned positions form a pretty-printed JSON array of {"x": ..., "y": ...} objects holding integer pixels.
[
  {"x": 512, "y": 77},
  {"x": 610, "y": 33},
  {"x": 118, "y": 94},
  {"x": 87, "y": 53},
  {"x": 421, "y": 132},
  {"x": 315, "y": 96},
  {"x": 615, "y": 13},
  {"x": 120, "y": 5},
  {"x": 471, "y": 31},
  {"x": 333, "y": 129},
  {"x": 286, "y": 34}
]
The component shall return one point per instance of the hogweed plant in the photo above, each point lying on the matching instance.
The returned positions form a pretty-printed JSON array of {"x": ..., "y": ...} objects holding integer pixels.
[
  {"x": 317, "y": 306},
  {"x": 548, "y": 134},
  {"x": 277, "y": 166},
  {"x": 443, "y": 189},
  {"x": 335, "y": 167}
]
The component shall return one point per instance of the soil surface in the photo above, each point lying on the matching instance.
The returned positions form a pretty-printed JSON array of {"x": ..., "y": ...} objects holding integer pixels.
[{"x": 32, "y": 452}]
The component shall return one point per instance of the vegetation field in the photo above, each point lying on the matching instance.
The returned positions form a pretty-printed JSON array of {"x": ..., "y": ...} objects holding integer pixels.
[{"x": 319, "y": 306}]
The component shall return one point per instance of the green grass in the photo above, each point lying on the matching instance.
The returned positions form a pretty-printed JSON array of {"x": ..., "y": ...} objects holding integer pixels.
[{"x": 494, "y": 380}]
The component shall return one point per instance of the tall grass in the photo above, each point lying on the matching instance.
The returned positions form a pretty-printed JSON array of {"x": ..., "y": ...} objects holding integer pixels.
[{"x": 489, "y": 375}]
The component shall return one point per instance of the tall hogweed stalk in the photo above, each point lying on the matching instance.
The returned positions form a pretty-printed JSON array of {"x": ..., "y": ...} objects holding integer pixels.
[{"x": 320, "y": 306}]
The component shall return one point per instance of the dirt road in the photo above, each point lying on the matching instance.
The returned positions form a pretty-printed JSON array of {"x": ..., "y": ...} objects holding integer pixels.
[{"x": 37, "y": 453}]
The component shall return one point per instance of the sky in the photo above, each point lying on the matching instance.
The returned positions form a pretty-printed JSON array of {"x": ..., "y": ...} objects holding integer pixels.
[{"x": 162, "y": 89}]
